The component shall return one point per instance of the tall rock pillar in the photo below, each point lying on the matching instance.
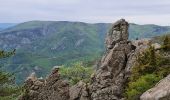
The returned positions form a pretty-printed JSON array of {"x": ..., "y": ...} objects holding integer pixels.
[{"x": 109, "y": 80}]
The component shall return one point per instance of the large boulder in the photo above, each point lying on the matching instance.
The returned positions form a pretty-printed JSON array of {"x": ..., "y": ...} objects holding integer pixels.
[{"x": 161, "y": 91}]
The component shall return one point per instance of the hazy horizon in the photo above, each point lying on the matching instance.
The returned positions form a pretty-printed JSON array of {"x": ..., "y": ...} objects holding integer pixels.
[
  {"x": 15, "y": 23},
  {"x": 89, "y": 11}
]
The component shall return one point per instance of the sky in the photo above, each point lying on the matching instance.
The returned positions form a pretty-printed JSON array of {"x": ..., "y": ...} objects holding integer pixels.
[{"x": 91, "y": 11}]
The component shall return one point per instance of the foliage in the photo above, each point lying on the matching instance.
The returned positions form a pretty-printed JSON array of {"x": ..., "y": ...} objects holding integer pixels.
[
  {"x": 166, "y": 43},
  {"x": 150, "y": 68},
  {"x": 5, "y": 78},
  {"x": 76, "y": 72},
  {"x": 8, "y": 90},
  {"x": 136, "y": 88},
  {"x": 147, "y": 62},
  {"x": 4, "y": 54}
]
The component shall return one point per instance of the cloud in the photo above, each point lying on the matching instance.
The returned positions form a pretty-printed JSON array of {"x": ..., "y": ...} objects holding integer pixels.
[{"x": 137, "y": 11}]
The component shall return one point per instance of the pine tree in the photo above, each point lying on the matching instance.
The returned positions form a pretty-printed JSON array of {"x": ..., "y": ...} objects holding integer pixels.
[
  {"x": 4, "y": 54},
  {"x": 7, "y": 87},
  {"x": 152, "y": 56},
  {"x": 166, "y": 44}
]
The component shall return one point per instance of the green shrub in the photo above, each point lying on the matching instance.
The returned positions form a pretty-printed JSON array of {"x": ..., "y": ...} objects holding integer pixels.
[
  {"x": 147, "y": 63},
  {"x": 166, "y": 44},
  {"x": 4, "y": 54},
  {"x": 8, "y": 90},
  {"x": 76, "y": 72},
  {"x": 163, "y": 71},
  {"x": 136, "y": 88},
  {"x": 150, "y": 68}
]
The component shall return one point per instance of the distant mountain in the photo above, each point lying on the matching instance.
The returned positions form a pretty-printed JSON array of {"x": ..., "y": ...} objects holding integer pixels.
[
  {"x": 147, "y": 31},
  {"x": 43, "y": 44},
  {"x": 6, "y": 25}
]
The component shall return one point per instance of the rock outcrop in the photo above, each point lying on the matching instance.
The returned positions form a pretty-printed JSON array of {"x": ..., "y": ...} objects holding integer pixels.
[
  {"x": 80, "y": 91},
  {"x": 52, "y": 88},
  {"x": 161, "y": 91},
  {"x": 107, "y": 83}
]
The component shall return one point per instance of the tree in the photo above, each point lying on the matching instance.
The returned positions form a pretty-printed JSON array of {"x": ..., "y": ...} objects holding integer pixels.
[
  {"x": 4, "y": 54},
  {"x": 5, "y": 77},
  {"x": 7, "y": 87},
  {"x": 147, "y": 62},
  {"x": 166, "y": 43}
]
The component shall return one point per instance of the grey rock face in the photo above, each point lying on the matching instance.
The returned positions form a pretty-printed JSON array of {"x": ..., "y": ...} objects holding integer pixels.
[
  {"x": 52, "y": 88},
  {"x": 160, "y": 92},
  {"x": 79, "y": 92},
  {"x": 118, "y": 32},
  {"x": 138, "y": 46},
  {"x": 109, "y": 80}
]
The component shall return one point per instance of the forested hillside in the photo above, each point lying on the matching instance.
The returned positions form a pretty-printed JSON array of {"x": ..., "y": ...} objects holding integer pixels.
[{"x": 40, "y": 45}]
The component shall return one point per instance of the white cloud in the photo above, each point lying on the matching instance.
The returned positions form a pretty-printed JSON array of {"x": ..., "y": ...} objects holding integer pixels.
[{"x": 137, "y": 11}]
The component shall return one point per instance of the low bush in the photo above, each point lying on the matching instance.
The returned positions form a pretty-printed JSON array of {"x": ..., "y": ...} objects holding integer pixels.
[
  {"x": 143, "y": 83},
  {"x": 76, "y": 72},
  {"x": 150, "y": 68},
  {"x": 166, "y": 43}
]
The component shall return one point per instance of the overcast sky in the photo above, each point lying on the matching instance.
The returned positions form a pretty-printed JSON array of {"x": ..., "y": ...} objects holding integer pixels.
[{"x": 93, "y": 11}]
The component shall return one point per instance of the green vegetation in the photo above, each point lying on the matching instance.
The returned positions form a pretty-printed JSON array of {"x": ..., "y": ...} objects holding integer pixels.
[
  {"x": 166, "y": 44},
  {"x": 136, "y": 88},
  {"x": 4, "y": 54},
  {"x": 8, "y": 90},
  {"x": 150, "y": 68},
  {"x": 76, "y": 72}
]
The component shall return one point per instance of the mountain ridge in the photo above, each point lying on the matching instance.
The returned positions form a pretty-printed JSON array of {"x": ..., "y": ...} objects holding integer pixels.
[{"x": 43, "y": 44}]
